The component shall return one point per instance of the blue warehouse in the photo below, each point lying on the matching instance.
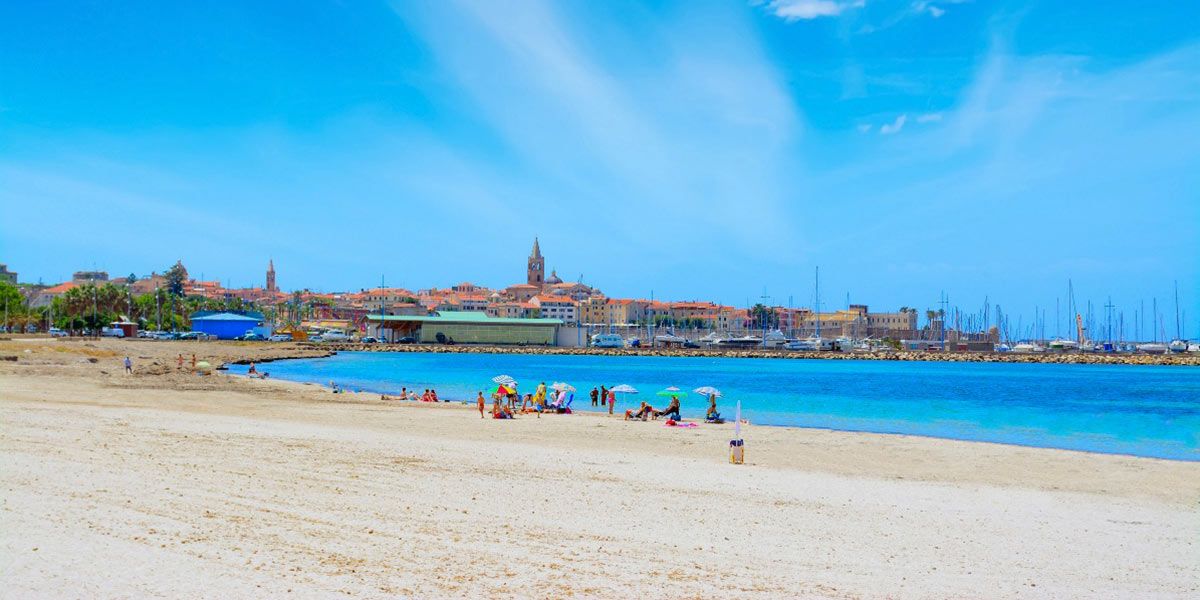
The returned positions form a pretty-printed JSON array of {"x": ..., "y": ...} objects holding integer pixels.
[{"x": 224, "y": 325}]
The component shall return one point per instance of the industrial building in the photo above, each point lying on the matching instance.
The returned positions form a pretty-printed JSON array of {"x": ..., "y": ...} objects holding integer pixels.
[
  {"x": 224, "y": 325},
  {"x": 464, "y": 327}
]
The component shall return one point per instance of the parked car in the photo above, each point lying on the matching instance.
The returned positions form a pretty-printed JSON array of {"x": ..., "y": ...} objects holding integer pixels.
[
  {"x": 408, "y": 339},
  {"x": 195, "y": 335},
  {"x": 252, "y": 336},
  {"x": 279, "y": 337},
  {"x": 116, "y": 332},
  {"x": 370, "y": 340},
  {"x": 56, "y": 332},
  {"x": 166, "y": 335},
  {"x": 334, "y": 336}
]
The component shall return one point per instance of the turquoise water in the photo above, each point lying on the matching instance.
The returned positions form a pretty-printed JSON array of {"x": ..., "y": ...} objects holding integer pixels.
[{"x": 1145, "y": 411}]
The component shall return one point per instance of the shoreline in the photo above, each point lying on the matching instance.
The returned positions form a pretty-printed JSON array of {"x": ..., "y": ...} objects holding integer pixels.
[{"x": 459, "y": 404}]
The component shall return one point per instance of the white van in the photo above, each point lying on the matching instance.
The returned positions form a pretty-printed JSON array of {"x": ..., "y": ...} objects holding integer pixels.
[{"x": 607, "y": 340}]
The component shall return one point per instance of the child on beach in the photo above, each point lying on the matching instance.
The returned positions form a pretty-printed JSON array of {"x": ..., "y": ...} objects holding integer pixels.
[{"x": 480, "y": 401}]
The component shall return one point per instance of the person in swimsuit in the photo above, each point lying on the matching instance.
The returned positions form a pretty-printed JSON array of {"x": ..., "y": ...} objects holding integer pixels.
[{"x": 479, "y": 400}]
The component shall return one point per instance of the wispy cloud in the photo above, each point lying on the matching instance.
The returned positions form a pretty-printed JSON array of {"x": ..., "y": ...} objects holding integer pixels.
[
  {"x": 805, "y": 10},
  {"x": 893, "y": 127},
  {"x": 929, "y": 117}
]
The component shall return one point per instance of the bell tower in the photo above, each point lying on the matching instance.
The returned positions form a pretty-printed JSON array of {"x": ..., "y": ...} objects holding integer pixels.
[
  {"x": 271, "y": 275},
  {"x": 535, "y": 272}
]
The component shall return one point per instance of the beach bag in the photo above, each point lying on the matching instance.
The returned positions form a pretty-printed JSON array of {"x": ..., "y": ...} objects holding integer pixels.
[{"x": 737, "y": 452}]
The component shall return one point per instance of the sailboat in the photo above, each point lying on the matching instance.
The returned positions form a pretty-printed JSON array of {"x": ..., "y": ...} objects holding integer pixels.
[{"x": 1177, "y": 344}]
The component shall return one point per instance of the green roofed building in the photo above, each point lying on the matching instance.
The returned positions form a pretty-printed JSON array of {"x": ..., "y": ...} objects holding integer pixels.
[{"x": 464, "y": 327}]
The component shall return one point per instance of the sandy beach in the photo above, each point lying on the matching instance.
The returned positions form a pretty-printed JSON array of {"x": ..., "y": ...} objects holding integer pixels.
[{"x": 166, "y": 484}]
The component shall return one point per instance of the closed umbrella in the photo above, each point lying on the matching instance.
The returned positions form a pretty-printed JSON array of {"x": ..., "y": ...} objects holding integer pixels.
[{"x": 737, "y": 421}]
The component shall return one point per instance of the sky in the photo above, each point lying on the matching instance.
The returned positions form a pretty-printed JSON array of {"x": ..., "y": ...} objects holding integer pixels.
[{"x": 685, "y": 149}]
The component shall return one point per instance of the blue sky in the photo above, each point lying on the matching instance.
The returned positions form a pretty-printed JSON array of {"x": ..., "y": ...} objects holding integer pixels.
[{"x": 696, "y": 149}]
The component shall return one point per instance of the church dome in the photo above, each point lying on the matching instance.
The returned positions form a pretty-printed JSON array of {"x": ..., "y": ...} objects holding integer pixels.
[{"x": 553, "y": 278}]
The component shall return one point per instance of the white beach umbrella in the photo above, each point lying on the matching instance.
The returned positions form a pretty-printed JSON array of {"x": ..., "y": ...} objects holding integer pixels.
[
  {"x": 504, "y": 380},
  {"x": 707, "y": 390},
  {"x": 624, "y": 389},
  {"x": 559, "y": 387}
]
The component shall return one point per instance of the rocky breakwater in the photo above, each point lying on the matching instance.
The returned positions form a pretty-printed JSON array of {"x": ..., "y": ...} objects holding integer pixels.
[{"x": 1188, "y": 359}]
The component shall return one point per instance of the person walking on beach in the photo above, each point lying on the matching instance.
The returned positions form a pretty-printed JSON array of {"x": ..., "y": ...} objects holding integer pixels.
[
  {"x": 193, "y": 362},
  {"x": 128, "y": 365},
  {"x": 480, "y": 401},
  {"x": 595, "y": 394},
  {"x": 180, "y": 361}
]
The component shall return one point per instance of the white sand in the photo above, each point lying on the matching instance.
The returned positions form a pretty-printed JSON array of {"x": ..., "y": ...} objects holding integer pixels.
[{"x": 130, "y": 487}]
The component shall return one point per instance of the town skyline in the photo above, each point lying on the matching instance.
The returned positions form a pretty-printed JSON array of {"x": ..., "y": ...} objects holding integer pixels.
[{"x": 535, "y": 293}]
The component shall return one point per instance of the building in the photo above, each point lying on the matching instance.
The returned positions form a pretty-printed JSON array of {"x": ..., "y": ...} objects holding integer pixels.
[
  {"x": 47, "y": 296},
  {"x": 465, "y": 327},
  {"x": 224, "y": 325},
  {"x": 6, "y": 275},
  {"x": 81, "y": 277},
  {"x": 883, "y": 323},
  {"x": 556, "y": 307},
  {"x": 535, "y": 267},
  {"x": 271, "y": 276}
]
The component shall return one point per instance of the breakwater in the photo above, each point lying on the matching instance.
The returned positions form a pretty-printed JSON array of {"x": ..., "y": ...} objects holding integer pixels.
[{"x": 1181, "y": 359}]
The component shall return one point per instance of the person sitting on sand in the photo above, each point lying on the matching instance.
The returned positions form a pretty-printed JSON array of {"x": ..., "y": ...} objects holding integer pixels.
[
  {"x": 433, "y": 396},
  {"x": 252, "y": 371},
  {"x": 671, "y": 411},
  {"x": 641, "y": 413},
  {"x": 712, "y": 416},
  {"x": 425, "y": 395}
]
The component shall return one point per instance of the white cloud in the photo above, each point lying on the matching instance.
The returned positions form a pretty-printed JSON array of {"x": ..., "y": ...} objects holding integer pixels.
[
  {"x": 864, "y": 128},
  {"x": 894, "y": 126},
  {"x": 936, "y": 12},
  {"x": 929, "y": 118},
  {"x": 797, "y": 10}
]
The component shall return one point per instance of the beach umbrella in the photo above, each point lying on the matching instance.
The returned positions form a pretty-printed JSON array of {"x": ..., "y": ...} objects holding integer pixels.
[
  {"x": 623, "y": 389},
  {"x": 503, "y": 389},
  {"x": 559, "y": 387},
  {"x": 504, "y": 380},
  {"x": 708, "y": 390},
  {"x": 672, "y": 391}
]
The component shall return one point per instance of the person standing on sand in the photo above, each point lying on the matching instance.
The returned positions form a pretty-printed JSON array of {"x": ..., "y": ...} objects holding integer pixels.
[
  {"x": 128, "y": 365},
  {"x": 595, "y": 394},
  {"x": 180, "y": 362},
  {"x": 480, "y": 402},
  {"x": 603, "y": 393},
  {"x": 193, "y": 362},
  {"x": 612, "y": 401}
]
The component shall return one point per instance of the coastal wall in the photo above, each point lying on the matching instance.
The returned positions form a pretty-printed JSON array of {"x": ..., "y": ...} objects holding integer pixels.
[{"x": 1185, "y": 359}]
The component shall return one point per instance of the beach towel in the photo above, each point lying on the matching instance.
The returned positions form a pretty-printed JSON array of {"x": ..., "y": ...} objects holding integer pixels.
[{"x": 674, "y": 423}]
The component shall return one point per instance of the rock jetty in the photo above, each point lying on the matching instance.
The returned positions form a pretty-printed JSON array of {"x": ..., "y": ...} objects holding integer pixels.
[{"x": 1185, "y": 359}]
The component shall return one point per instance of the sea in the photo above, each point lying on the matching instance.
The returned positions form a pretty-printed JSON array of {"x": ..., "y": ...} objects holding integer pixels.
[{"x": 1149, "y": 411}]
